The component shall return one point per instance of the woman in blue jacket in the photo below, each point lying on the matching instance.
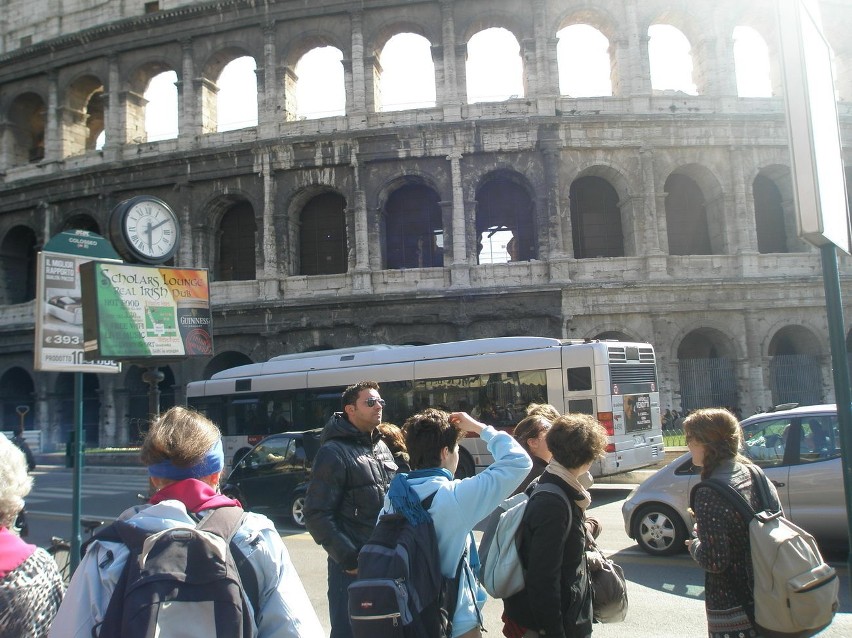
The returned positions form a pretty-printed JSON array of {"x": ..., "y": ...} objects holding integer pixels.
[{"x": 432, "y": 438}]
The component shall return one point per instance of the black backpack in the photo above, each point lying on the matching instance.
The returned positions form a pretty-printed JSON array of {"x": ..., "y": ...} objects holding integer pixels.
[
  {"x": 181, "y": 582},
  {"x": 400, "y": 591}
]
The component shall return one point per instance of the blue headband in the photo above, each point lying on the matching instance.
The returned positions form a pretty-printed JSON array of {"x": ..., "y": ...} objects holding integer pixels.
[{"x": 213, "y": 461}]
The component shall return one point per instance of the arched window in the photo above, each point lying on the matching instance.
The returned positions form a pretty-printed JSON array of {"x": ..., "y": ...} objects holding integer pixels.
[
  {"x": 494, "y": 69},
  {"x": 584, "y": 64},
  {"x": 322, "y": 237},
  {"x": 17, "y": 388},
  {"x": 414, "y": 232},
  {"x": 18, "y": 261},
  {"x": 320, "y": 90},
  {"x": 505, "y": 227},
  {"x": 83, "y": 128},
  {"x": 595, "y": 219},
  {"x": 769, "y": 216},
  {"x": 82, "y": 221},
  {"x": 236, "y": 101},
  {"x": 671, "y": 60},
  {"x": 161, "y": 121},
  {"x": 63, "y": 407},
  {"x": 27, "y": 118},
  {"x": 707, "y": 371},
  {"x": 237, "y": 242},
  {"x": 408, "y": 74},
  {"x": 686, "y": 217},
  {"x": 751, "y": 58}
]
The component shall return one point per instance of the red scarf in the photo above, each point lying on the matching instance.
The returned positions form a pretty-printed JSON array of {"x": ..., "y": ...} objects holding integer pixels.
[
  {"x": 13, "y": 551},
  {"x": 196, "y": 495}
]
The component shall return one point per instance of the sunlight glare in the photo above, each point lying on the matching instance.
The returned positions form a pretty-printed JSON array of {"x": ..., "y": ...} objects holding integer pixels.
[
  {"x": 494, "y": 66},
  {"x": 584, "y": 65},
  {"x": 161, "y": 112},
  {"x": 320, "y": 90},
  {"x": 670, "y": 56},
  {"x": 237, "y": 97},
  {"x": 408, "y": 73},
  {"x": 751, "y": 58}
]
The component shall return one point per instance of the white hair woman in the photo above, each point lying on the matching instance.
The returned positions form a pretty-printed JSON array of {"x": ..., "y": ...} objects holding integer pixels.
[{"x": 30, "y": 584}]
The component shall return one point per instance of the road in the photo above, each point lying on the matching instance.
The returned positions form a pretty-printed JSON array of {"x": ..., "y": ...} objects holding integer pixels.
[{"x": 666, "y": 594}]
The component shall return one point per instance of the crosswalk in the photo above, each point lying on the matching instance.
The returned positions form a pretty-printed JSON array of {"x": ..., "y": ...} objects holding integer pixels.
[{"x": 104, "y": 495}]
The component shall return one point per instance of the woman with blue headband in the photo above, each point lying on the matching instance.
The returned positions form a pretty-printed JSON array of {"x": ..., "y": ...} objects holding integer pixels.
[{"x": 183, "y": 453}]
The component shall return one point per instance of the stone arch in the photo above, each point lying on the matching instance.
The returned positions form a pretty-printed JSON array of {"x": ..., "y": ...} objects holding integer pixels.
[
  {"x": 137, "y": 83},
  {"x": 236, "y": 242},
  {"x": 320, "y": 241},
  {"x": 480, "y": 24},
  {"x": 18, "y": 265},
  {"x": 379, "y": 36},
  {"x": 795, "y": 374},
  {"x": 412, "y": 76},
  {"x": 412, "y": 225},
  {"x": 602, "y": 21},
  {"x": 212, "y": 71},
  {"x": 294, "y": 85},
  {"x": 17, "y": 388},
  {"x": 83, "y": 118},
  {"x": 707, "y": 362},
  {"x": 695, "y": 219},
  {"x": 690, "y": 26},
  {"x": 81, "y": 220},
  {"x": 27, "y": 117},
  {"x": 505, "y": 203},
  {"x": 603, "y": 199},
  {"x": 774, "y": 212},
  {"x": 617, "y": 335},
  {"x": 225, "y": 361}
]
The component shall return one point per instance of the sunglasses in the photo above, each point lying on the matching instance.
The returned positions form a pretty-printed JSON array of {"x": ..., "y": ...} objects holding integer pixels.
[{"x": 373, "y": 401}]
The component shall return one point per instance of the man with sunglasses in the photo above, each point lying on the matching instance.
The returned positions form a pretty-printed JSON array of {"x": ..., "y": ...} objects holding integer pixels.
[{"x": 349, "y": 477}]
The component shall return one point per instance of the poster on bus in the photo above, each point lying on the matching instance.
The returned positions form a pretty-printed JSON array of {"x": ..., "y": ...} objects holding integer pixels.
[
  {"x": 140, "y": 312},
  {"x": 59, "y": 306}
]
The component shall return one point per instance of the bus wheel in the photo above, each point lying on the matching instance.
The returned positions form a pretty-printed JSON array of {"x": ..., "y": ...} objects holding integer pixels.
[
  {"x": 239, "y": 454},
  {"x": 465, "y": 468}
]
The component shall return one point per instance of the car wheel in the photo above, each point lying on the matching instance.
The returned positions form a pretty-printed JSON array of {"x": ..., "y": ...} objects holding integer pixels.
[
  {"x": 659, "y": 530},
  {"x": 297, "y": 511}
]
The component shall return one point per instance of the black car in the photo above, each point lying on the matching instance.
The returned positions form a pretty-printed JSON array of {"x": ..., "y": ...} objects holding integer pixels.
[{"x": 272, "y": 477}]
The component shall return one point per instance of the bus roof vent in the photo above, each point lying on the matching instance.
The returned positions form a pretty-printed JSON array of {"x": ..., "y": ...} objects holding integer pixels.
[
  {"x": 242, "y": 385},
  {"x": 617, "y": 354},
  {"x": 336, "y": 351}
]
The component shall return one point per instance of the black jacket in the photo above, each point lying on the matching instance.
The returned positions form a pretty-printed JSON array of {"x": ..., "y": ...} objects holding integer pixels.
[
  {"x": 349, "y": 478},
  {"x": 557, "y": 599}
]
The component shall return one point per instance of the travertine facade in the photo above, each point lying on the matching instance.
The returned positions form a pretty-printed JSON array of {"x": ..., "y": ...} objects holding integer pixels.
[{"x": 648, "y": 215}]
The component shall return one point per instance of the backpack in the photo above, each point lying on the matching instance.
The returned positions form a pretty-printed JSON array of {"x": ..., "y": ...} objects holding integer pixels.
[
  {"x": 501, "y": 571},
  {"x": 795, "y": 591},
  {"x": 400, "y": 591},
  {"x": 181, "y": 582}
]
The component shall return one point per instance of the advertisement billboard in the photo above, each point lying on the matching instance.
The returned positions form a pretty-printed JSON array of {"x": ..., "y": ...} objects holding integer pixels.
[
  {"x": 141, "y": 312},
  {"x": 59, "y": 305}
]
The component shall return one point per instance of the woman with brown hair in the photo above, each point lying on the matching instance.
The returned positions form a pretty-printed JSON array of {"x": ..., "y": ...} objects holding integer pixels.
[
  {"x": 531, "y": 433},
  {"x": 721, "y": 540}
]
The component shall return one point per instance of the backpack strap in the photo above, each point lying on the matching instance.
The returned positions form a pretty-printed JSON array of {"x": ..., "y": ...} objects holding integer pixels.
[{"x": 225, "y": 522}]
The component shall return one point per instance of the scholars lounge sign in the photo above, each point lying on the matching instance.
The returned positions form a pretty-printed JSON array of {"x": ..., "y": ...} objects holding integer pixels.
[{"x": 142, "y": 312}]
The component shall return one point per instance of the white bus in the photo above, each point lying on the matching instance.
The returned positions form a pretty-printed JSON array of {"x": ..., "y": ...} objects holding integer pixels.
[{"x": 492, "y": 379}]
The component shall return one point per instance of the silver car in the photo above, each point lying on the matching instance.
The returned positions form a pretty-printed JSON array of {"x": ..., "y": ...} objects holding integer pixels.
[{"x": 799, "y": 449}]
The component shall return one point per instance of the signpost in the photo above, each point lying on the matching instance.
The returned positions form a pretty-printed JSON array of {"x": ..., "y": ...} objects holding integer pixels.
[
  {"x": 819, "y": 185},
  {"x": 59, "y": 335}
]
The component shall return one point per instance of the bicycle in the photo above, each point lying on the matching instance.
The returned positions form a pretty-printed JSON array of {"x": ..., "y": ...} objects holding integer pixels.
[{"x": 60, "y": 548}]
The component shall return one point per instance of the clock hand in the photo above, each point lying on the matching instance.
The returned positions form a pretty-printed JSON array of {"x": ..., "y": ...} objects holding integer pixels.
[
  {"x": 150, "y": 233},
  {"x": 165, "y": 221}
]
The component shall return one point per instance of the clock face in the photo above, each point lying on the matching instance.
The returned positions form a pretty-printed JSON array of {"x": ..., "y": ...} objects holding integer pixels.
[{"x": 147, "y": 229}]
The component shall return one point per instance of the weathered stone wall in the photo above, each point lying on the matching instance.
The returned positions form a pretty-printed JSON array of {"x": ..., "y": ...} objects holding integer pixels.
[{"x": 635, "y": 139}]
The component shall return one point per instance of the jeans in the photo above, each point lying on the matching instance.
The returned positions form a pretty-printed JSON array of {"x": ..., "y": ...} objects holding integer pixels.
[{"x": 338, "y": 600}]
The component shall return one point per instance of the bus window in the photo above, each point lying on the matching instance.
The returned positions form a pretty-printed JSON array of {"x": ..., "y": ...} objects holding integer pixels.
[
  {"x": 581, "y": 406},
  {"x": 579, "y": 379}
]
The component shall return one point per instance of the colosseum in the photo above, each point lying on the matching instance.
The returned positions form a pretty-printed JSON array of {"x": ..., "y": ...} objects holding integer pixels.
[{"x": 632, "y": 210}]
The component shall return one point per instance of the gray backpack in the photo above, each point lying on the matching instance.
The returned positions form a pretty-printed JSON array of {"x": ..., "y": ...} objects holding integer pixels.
[
  {"x": 795, "y": 591},
  {"x": 181, "y": 582}
]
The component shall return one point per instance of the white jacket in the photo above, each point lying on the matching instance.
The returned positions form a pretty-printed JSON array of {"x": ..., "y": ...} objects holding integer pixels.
[{"x": 286, "y": 611}]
